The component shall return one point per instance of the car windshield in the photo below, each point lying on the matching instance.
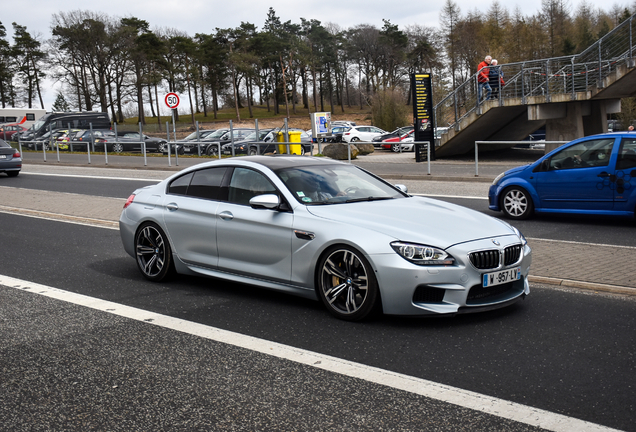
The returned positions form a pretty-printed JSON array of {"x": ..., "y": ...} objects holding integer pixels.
[
  {"x": 335, "y": 184},
  {"x": 216, "y": 134}
]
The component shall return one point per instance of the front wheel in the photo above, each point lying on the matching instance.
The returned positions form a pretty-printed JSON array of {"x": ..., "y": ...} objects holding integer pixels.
[
  {"x": 212, "y": 150},
  {"x": 161, "y": 147},
  {"x": 395, "y": 148},
  {"x": 253, "y": 152},
  {"x": 346, "y": 284},
  {"x": 516, "y": 203},
  {"x": 154, "y": 257}
]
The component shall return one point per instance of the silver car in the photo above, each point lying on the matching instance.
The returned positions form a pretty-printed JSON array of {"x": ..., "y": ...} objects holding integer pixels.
[{"x": 325, "y": 230}]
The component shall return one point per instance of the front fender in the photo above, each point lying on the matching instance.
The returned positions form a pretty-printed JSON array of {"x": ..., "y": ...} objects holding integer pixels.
[{"x": 495, "y": 191}]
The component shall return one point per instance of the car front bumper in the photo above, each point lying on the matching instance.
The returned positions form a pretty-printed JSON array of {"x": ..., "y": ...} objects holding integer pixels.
[{"x": 408, "y": 289}]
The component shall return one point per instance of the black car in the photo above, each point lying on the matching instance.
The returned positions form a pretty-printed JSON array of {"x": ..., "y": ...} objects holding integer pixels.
[
  {"x": 336, "y": 133},
  {"x": 269, "y": 144},
  {"x": 130, "y": 142},
  {"x": 211, "y": 144}
]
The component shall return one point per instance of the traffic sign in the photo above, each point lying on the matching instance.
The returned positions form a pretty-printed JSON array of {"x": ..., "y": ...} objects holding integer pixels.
[{"x": 172, "y": 100}]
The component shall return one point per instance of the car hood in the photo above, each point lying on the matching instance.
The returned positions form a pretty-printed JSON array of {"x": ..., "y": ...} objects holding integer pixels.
[{"x": 417, "y": 219}]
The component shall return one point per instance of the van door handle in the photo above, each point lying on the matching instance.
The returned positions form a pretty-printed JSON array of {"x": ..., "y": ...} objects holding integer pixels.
[
  {"x": 226, "y": 215},
  {"x": 172, "y": 207}
]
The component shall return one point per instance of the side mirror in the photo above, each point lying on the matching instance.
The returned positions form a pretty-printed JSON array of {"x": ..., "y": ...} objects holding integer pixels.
[
  {"x": 402, "y": 188},
  {"x": 266, "y": 201}
]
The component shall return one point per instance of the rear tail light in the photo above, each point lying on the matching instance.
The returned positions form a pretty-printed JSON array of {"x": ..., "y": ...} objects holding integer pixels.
[
  {"x": 129, "y": 200},
  {"x": 16, "y": 154}
]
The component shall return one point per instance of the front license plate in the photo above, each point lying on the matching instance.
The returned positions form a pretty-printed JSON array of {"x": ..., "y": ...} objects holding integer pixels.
[{"x": 502, "y": 277}]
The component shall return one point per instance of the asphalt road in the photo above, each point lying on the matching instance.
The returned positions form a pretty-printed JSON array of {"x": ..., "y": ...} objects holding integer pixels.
[{"x": 562, "y": 351}]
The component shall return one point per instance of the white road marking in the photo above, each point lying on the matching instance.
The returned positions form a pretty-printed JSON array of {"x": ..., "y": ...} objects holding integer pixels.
[
  {"x": 91, "y": 176},
  {"x": 464, "y": 398}
]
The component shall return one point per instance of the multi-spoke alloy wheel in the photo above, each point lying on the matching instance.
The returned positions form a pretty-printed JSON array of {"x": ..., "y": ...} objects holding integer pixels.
[
  {"x": 118, "y": 148},
  {"x": 346, "y": 284},
  {"x": 154, "y": 257},
  {"x": 516, "y": 203}
]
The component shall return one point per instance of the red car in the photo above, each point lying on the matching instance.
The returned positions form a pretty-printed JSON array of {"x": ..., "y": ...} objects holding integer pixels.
[
  {"x": 8, "y": 130},
  {"x": 392, "y": 143}
]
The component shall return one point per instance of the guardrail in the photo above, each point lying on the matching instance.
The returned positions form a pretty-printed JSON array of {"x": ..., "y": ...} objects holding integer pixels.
[{"x": 512, "y": 143}]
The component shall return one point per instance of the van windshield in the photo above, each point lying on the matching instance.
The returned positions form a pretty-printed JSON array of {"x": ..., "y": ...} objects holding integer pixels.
[{"x": 38, "y": 124}]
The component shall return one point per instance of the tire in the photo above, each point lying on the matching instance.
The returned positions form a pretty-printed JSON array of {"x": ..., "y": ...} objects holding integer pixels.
[
  {"x": 161, "y": 147},
  {"x": 395, "y": 148},
  {"x": 253, "y": 152},
  {"x": 516, "y": 203},
  {"x": 346, "y": 284},
  {"x": 118, "y": 148},
  {"x": 154, "y": 256},
  {"x": 212, "y": 150},
  {"x": 302, "y": 150},
  {"x": 12, "y": 173},
  {"x": 354, "y": 139}
]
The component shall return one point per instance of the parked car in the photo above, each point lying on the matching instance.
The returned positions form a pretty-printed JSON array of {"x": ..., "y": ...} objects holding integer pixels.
[
  {"x": 10, "y": 159},
  {"x": 270, "y": 145},
  {"x": 243, "y": 146},
  {"x": 591, "y": 175},
  {"x": 399, "y": 143},
  {"x": 301, "y": 225},
  {"x": 7, "y": 131},
  {"x": 51, "y": 140},
  {"x": 362, "y": 133},
  {"x": 396, "y": 133},
  {"x": 337, "y": 132},
  {"x": 210, "y": 144},
  {"x": 345, "y": 123},
  {"x": 130, "y": 142}
]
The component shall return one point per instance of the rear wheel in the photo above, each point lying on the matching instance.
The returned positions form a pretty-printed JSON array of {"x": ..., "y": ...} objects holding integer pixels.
[
  {"x": 346, "y": 284},
  {"x": 154, "y": 257},
  {"x": 13, "y": 173},
  {"x": 118, "y": 148},
  {"x": 516, "y": 203},
  {"x": 354, "y": 139}
]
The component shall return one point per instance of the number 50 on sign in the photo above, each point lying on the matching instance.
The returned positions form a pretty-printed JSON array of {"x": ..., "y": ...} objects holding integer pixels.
[{"x": 172, "y": 100}]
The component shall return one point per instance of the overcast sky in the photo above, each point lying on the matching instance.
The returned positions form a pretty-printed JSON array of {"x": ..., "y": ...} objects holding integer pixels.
[{"x": 204, "y": 16}]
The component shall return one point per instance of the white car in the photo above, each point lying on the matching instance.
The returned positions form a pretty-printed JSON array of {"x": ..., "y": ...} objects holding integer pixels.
[{"x": 362, "y": 133}]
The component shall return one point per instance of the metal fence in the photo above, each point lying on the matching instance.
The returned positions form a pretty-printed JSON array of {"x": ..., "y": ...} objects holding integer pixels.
[{"x": 571, "y": 76}]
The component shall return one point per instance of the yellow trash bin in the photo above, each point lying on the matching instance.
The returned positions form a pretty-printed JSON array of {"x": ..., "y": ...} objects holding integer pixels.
[{"x": 294, "y": 137}]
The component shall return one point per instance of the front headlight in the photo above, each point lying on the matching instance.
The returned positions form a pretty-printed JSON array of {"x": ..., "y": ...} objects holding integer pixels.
[
  {"x": 422, "y": 254},
  {"x": 495, "y": 182},
  {"x": 521, "y": 236}
]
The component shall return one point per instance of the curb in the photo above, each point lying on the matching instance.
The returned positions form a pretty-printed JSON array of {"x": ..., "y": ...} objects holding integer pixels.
[{"x": 590, "y": 286}]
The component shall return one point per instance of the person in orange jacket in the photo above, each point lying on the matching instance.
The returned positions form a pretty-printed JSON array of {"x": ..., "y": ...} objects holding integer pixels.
[{"x": 482, "y": 78}]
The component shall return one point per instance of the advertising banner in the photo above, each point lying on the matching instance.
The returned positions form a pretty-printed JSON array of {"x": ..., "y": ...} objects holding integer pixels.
[{"x": 423, "y": 120}]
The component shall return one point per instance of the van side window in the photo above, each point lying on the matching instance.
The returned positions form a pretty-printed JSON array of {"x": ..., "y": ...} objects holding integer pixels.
[{"x": 627, "y": 154}]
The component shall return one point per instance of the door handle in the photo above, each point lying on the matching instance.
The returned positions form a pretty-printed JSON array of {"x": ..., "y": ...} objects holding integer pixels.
[
  {"x": 603, "y": 174},
  {"x": 172, "y": 207},
  {"x": 226, "y": 215}
]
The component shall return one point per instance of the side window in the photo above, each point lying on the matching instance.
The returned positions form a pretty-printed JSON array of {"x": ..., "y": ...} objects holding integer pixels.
[
  {"x": 206, "y": 183},
  {"x": 247, "y": 183},
  {"x": 179, "y": 186},
  {"x": 592, "y": 153},
  {"x": 627, "y": 154}
]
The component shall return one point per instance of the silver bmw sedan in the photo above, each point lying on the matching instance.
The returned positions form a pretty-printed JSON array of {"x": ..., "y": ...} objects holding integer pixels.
[{"x": 325, "y": 230}]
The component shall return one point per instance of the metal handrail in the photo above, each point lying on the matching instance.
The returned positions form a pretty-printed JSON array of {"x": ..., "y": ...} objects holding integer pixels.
[{"x": 546, "y": 77}]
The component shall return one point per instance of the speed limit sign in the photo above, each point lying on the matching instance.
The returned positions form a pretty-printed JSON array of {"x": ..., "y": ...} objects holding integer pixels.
[{"x": 172, "y": 100}]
